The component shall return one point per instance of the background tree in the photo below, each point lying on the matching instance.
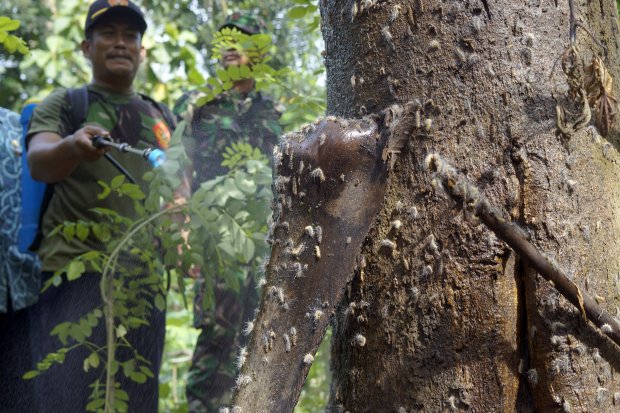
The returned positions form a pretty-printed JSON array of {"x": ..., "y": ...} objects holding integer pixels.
[{"x": 446, "y": 317}]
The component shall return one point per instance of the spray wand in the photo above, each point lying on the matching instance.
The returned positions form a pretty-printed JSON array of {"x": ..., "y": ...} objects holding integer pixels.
[{"x": 156, "y": 157}]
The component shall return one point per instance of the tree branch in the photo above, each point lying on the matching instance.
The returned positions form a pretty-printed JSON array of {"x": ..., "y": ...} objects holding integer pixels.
[{"x": 461, "y": 190}]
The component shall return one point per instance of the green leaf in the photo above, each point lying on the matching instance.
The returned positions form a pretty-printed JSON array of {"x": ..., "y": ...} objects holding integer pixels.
[
  {"x": 195, "y": 77},
  {"x": 214, "y": 82},
  {"x": 93, "y": 360},
  {"x": 222, "y": 74},
  {"x": 68, "y": 231},
  {"x": 82, "y": 230},
  {"x": 75, "y": 270},
  {"x": 233, "y": 72},
  {"x": 30, "y": 374},
  {"x": 297, "y": 12},
  {"x": 128, "y": 367},
  {"x": 7, "y": 24},
  {"x": 138, "y": 377},
  {"x": 106, "y": 190},
  {"x": 102, "y": 232},
  {"x": 160, "y": 302},
  {"x": 133, "y": 191},
  {"x": 245, "y": 72},
  {"x": 147, "y": 372},
  {"x": 121, "y": 331},
  {"x": 117, "y": 181},
  {"x": 95, "y": 405}
]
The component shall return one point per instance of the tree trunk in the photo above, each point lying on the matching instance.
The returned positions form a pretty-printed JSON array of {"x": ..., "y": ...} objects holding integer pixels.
[
  {"x": 452, "y": 320},
  {"x": 440, "y": 315}
]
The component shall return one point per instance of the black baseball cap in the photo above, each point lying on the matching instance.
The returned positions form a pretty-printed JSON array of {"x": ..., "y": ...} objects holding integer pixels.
[{"x": 105, "y": 8}]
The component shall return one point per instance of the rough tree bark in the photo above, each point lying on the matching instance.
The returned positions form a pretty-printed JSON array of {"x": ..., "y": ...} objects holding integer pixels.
[{"x": 443, "y": 316}]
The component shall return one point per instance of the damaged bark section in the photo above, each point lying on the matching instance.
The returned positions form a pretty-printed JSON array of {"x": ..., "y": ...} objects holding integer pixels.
[{"x": 329, "y": 185}]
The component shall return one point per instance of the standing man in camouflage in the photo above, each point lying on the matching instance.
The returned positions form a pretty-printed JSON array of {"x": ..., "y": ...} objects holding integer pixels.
[
  {"x": 240, "y": 114},
  {"x": 61, "y": 152}
]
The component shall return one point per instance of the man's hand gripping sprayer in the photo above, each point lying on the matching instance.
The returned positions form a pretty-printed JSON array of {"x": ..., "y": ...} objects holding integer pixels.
[{"x": 156, "y": 157}]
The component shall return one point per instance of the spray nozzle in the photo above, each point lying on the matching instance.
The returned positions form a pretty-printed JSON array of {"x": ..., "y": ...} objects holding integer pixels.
[{"x": 156, "y": 157}]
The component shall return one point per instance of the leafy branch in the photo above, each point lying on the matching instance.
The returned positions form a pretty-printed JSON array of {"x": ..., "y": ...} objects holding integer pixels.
[{"x": 10, "y": 42}]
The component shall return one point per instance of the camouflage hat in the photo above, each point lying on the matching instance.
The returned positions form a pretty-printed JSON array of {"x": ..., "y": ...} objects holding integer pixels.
[{"x": 246, "y": 22}]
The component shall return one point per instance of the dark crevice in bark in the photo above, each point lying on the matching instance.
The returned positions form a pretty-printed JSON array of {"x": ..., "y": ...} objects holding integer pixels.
[
  {"x": 486, "y": 8},
  {"x": 525, "y": 399}
]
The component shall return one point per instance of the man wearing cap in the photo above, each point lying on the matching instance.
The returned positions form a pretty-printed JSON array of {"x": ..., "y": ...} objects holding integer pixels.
[
  {"x": 240, "y": 114},
  {"x": 60, "y": 152}
]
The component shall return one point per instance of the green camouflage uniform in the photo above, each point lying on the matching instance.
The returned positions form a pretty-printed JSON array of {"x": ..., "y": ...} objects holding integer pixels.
[{"x": 230, "y": 118}]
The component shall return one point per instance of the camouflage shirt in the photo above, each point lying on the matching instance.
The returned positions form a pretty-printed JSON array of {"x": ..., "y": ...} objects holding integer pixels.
[
  {"x": 231, "y": 117},
  {"x": 130, "y": 118}
]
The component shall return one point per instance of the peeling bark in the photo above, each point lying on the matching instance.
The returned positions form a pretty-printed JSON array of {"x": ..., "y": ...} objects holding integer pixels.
[{"x": 329, "y": 187}]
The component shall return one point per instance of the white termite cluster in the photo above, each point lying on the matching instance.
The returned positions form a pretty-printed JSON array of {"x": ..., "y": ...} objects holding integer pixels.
[
  {"x": 295, "y": 252},
  {"x": 280, "y": 183},
  {"x": 559, "y": 365},
  {"x": 414, "y": 293},
  {"x": 298, "y": 270},
  {"x": 394, "y": 12},
  {"x": 606, "y": 328},
  {"x": 242, "y": 381},
  {"x": 236, "y": 409},
  {"x": 566, "y": 406},
  {"x": 427, "y": 271},
  {"x": 601, "y": 393},
  {"x": 309, "y": 231},
  {"x": 243, "y": 353},
  {"x": 319, "y": 233},
  {"x": 354, "y": 10},
  {"x": 277, "y": 156},
  {"x": 278, "y": 293},
  {"x": 359, "y": 340},
  {"x": 317, "y": 174},
  {"x": 308, "y": 359},
  {"x": 434, "y": 45},
  {"x": 316, "y": 315},
  {"x": 287, "y": 343},
  {"x": 452, "y": 403},
  {"x": 249, "y": 326},
  {"x": 387, "y": 36},
  {"x": 428, "y": 124},
  {"x": 432, "y": 245},
  {"x": 388, "y": 243},
  {"x": 317, "y": 252},
  {"x": 293, "y": 333}
]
